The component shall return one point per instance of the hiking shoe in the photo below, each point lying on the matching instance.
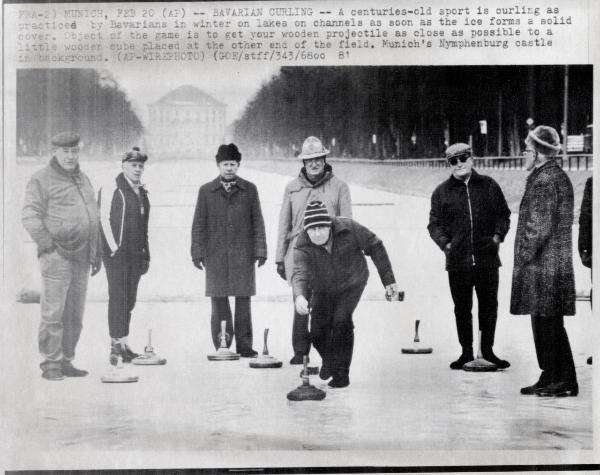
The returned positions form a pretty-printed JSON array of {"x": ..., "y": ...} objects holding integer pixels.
[
  {"x": 530, "y": 390},
  {"x": 249, "y": 353},
  {"x": 130, "y": 353},
  {"x": 70, "y": 371},
  {"x": 561, "y": 389},
  {"x": 339, "y": 382},
  {"x": 53, "y": 374},
  {"x": 464, "y": 358},
  {"x": 325, "y": 372},
  {"x": 115, "y": 352},
  {"x": 492, "y": 358}
]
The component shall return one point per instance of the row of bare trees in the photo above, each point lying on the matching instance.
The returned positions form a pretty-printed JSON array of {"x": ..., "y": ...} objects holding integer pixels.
[
  {"x": 411, "y": 112},
  {"x": 87, "y": 101}
]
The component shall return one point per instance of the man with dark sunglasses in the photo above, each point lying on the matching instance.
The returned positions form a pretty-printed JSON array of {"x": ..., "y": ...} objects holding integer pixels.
[{"x": 468, "y": 220}]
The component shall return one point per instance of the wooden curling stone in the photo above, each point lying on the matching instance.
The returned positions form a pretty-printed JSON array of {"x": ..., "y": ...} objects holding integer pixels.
[{"x": 265, "y": 360}]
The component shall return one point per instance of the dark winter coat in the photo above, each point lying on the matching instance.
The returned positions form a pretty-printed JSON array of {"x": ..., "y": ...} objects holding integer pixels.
[
  {"x": 228, "y": 233},
  {"x": 124, "y": 227},
  {"x": 543, "y": 282},
  {"x": 61, "y": 212},
  {"x": 345, "y": 267},
  {"x": 467, "y": 215},
  {"x": 584, "y": 243}
]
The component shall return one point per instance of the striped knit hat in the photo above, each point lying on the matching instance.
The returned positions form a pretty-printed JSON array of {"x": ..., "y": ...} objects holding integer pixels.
[{"x": 316, "y": 214}]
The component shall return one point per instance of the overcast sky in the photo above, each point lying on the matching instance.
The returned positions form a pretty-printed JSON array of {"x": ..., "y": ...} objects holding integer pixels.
[{"x": 231, "y": 84}]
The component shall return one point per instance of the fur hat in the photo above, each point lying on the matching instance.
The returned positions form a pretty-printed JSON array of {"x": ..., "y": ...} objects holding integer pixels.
[
  {"x": 228, "y": 152},
  {"x": 544, "y": 140},
  {"x": 134, "y": 155},
  {"x": 316, "y": 214}
]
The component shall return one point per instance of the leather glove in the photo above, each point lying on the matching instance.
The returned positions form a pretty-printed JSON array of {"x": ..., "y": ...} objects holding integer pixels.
[
  {"x": 301, "y": 305},
  {"x": 199, "y": 263},
  {"x": 96, "y": 266},
  {"x": 261, "y": 261},
  {"x": 281, "y": 270}
]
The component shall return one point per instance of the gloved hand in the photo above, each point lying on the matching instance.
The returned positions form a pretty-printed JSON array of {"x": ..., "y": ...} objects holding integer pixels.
[
  {"x": 96, "y": 266},
  {"x": 390, "y": 291},
  {"x": 301, "y": 305},
  {"x": 261, "y": 261},
  {"x": 281, "y": 270},
  {"x": 199, "y": 263}
]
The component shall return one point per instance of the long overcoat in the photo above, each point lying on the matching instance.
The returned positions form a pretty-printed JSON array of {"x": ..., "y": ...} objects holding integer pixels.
[
  {"x": 297, "y": 194},
  {"x": 228, "y": 232},
  {"x": 543, "y": 283}
]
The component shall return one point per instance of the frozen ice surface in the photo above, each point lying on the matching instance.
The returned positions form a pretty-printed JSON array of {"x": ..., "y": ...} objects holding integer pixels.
[{"x": 394, "y": 401}]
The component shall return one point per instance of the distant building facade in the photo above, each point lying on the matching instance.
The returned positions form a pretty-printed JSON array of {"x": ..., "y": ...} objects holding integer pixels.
[{"x": 187, "y": 122}]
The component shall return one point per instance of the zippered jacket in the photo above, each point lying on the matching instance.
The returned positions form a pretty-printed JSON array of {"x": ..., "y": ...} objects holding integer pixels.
[
  {"x": 124, "y": 227},
  {"x": 60, "y": 212},
  {"x": 467, "y": 215}
]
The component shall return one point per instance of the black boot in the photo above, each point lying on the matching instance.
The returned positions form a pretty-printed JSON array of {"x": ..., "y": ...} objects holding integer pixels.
[
  {"x": 465, "y": 357},
  {"x": 115, "y": 351},
  {"x": 492, "y": 358},
  {"x": 561, "y": 389}
]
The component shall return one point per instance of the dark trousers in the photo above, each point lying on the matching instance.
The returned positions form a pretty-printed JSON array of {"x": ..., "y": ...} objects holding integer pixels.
[
  {"x": 300, "y": 332},
  {"x": 241, "y": 329},
  {"x": 553, "y": 349},
  {"x": 332, "y": 329},
  {"x": 123, "y": 276},
  {"x": 485, "y": 282}
]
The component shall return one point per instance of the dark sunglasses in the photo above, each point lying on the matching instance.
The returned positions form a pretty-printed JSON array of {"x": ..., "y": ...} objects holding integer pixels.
[{"x": 463, "y": 158}]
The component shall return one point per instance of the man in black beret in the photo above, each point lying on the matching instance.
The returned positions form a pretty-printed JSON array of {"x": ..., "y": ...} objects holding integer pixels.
[
  {"x": 228, "y": 237},
  {"x": 61, "y": 216}
]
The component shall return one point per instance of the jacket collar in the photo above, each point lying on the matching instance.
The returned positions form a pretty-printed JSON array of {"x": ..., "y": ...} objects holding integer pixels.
[
  {"x": 338, "y": 226},
  {"x": 123, "y": 183},
  {"x": 56, "y": 167},
  {"x": 475, "y": 178},
  {"x": 216, "y": 184},
  {"x": 550, "y": 163},
  {"x": 305, "y": 182}
]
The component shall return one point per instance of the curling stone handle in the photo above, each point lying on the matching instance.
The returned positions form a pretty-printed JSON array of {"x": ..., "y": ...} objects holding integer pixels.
[
  {"x": 479, "y": 354},
  {"x": 149, "y": 348},
  {"x": 416, "y": 340},
  {"x": 223, "y": 334},
  {"x": 305, "y": 379},
  {"x": 265, "y": 347}
]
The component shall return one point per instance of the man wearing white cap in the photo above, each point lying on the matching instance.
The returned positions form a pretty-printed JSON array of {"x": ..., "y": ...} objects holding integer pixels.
[
  {"x": 331, "y": 271},
  {"x": 315, "y": 182},
  {"x": 543, "y": 283}
]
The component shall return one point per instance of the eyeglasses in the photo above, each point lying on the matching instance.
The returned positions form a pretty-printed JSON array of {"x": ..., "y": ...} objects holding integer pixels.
[
  {"x": 462, "y": 158},
  {"x": 314, "y": 161}
]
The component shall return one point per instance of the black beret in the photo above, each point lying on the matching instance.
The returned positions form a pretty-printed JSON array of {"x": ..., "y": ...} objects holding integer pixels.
[
  {"x": 66, "y": 139},
  {"x": 228, "y": 152},
  {"x": 135, "y": 156}
]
